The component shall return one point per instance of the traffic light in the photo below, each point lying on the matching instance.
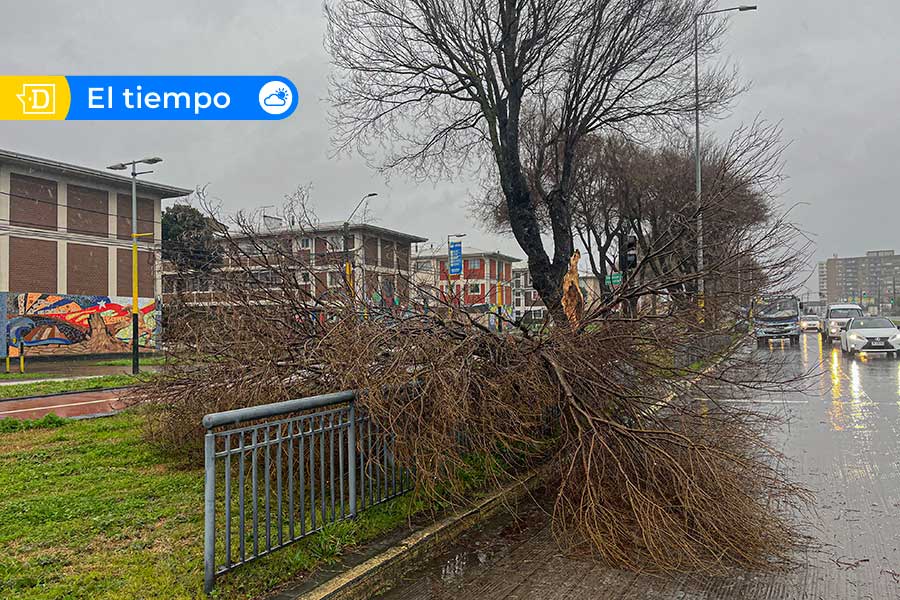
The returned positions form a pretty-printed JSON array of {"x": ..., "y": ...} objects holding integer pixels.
[{"x": 627, "y": 252}]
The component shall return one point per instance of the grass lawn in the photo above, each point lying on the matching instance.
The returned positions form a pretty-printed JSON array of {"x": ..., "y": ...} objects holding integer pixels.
[
  {"x": 149, "y": 361},
  {"x": 89, "y": 511},
  {"x": 17, "y": 375},
  {"x": 39, "y": 388}
]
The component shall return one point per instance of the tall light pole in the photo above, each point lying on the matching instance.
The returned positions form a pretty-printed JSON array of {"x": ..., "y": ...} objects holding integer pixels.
[
  {"x": 135, "y": 328},
  {"x": 348, "y": 266},
  {"x": 742, "y": 8}
]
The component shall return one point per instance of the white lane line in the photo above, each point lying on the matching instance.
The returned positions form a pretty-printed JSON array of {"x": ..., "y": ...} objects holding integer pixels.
[
  {"x": 736, "y": 401},
  {"x": 21, "y": 410}
]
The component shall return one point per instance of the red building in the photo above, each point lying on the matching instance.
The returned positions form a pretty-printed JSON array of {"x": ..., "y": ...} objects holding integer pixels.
[{"x": 486, "y": 278}]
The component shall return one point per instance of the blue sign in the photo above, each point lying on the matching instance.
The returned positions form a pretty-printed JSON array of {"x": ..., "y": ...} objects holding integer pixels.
[
  {"x": 158, "y": 98},
  {"x": 455, "y": 258}
]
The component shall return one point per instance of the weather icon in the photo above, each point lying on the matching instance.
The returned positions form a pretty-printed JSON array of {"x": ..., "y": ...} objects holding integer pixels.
[
  {"x": 275, "y": 98},
  {"x": 278, "y": 98}
]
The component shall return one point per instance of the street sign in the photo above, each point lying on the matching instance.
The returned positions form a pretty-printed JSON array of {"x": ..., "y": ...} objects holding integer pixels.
[
  {"x": 614, "y": 279},
  {"x": 455, "y": 258}
]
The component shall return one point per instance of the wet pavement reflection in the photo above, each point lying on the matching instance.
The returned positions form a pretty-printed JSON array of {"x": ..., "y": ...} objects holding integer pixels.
[{"x": 842, "y": 437}]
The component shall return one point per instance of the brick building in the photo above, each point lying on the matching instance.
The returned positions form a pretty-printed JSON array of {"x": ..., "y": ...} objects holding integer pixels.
[
  {"x": 65, "y": 257},
  {"x": 485, "y": 281},
  {"x": 380, "y": 259}
]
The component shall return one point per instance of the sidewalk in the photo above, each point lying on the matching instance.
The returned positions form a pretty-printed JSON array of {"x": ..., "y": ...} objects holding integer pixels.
[{"x": 77, "y": 404}]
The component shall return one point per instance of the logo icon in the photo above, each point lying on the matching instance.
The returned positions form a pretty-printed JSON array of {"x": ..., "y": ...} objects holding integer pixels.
[
  {"x": 275, "y": 98},
  {"x": 38, "y": 98}
]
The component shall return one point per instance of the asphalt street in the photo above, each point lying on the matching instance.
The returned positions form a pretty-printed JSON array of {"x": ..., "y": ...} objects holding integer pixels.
[{"x": 842, "y": 439}]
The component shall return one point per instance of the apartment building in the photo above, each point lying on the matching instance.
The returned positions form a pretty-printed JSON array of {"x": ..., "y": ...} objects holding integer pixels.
[
  {"x": 485, "y": 281},
  {"x": 869, "y": 280},
  {"x": 66, "y": 261},
  {"x": 380, "y": 260}
]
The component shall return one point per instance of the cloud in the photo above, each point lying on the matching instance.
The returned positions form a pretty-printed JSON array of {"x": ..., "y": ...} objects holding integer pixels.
[{"x": 275, "y": 100}]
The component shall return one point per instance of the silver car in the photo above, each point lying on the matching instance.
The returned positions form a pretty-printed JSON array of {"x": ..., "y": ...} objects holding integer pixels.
[
  {"x": 809, "y": 323},
  {"x": 836, "y": 318},
  {"x": 870, "y": 335}
]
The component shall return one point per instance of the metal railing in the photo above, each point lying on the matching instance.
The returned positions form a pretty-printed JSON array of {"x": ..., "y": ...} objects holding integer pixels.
[{"x": 280, "y": 472}]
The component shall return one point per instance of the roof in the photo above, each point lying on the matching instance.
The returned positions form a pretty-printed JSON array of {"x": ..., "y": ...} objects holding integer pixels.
[
  {"x": 55, "y": 166},
  {"x": 338, "y": 225},
  {"x": 844, "y": 305},
  {"x": 468, "y": 252}
]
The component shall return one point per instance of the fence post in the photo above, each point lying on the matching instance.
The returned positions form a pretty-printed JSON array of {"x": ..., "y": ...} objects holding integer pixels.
[
  {"x": 351, "y": 456},
  {"x": 209, "y": 512}
]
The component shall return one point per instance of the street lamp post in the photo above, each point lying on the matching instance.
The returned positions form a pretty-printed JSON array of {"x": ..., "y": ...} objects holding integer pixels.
[
  {"x": 742, "y": 8},
  {"x": 135, "y": 327},
  {"x": 348, "y": 266}
]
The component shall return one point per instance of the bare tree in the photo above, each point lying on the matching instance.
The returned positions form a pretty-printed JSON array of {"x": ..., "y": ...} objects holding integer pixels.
[{"x": 447, "y": 83}]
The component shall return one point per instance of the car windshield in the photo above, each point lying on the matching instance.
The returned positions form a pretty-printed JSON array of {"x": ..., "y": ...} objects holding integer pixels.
[
  {"x": 844, "y": 313},
  {"x": 782, "y": 308},
  {"x": 876, "y": 323}
]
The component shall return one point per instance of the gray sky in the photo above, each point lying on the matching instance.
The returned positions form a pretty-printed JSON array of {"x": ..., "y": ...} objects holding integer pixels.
[{"x": 827, "y": 69}]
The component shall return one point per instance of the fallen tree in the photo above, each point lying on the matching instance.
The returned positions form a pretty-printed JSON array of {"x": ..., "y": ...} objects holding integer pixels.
[{"x": 650, "y": 471}]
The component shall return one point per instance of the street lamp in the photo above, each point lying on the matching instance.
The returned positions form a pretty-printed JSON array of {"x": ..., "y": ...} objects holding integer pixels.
[
  {"x": 135, "y": 363},
  {"x": 742, "y": 8},
  {"x": 348, "y": 267}
]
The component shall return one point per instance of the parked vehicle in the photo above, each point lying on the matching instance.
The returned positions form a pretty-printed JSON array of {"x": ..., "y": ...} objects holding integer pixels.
[
  {"x": 776, "y": 318},
  {"x": 809, "y": 323},
  {"x": 836, "y": 318},
  {"x": 870, "y": 335}
]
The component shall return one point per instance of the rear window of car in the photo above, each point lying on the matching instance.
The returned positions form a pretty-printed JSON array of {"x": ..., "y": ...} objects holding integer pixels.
[
  {"x": 844, "y": 313},
  {"x": 871, "y": 324}
]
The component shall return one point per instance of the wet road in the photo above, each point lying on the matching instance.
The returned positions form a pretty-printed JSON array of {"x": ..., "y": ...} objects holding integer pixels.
[{"x": 844, "y": 440}]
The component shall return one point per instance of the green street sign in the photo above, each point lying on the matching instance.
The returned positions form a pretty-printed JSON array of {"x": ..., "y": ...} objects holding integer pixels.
[{"x": 614, "y": 279}]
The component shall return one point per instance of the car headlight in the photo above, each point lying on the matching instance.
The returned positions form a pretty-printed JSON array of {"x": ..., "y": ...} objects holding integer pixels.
[
  {"x": 855, "y": 337},
  {"x": 895, "y": 339}
]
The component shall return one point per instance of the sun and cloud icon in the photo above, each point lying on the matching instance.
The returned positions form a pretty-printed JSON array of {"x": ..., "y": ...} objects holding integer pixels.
[
  {"x": 275, "y": 98},
  {"x": 278, "y": 98}
]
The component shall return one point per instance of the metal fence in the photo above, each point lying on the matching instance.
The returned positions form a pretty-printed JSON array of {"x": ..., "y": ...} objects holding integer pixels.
[{"x": 279, "y": 472}]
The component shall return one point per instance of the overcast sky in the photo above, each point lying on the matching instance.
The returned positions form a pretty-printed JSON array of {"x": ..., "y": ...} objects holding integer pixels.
[{"x": 826, "y": 68}]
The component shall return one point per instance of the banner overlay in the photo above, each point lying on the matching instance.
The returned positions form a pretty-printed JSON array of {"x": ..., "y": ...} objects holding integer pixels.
[{"x": 147, "y": 98}]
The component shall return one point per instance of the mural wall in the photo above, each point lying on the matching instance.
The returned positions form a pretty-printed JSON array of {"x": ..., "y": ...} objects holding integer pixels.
[{"x": 57, "y": 324}]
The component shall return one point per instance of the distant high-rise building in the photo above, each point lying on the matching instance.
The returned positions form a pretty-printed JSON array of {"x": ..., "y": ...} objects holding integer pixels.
[{"x": 868, "y": 280}]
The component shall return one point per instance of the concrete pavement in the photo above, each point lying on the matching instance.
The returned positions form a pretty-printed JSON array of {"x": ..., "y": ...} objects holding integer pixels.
[{"x": 844, "y": 441}]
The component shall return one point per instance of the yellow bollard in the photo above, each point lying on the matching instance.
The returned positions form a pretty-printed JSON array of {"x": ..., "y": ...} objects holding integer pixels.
[
  {"x": 21, "y": 357},
  {"x": 7, "y": 361}
]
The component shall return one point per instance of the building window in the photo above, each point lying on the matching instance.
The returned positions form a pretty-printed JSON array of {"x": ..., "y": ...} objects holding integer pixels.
[
  {"x": 334, "y": 279},
  {"x": 305, "y": 243},
  {"x": 304, "y": 277},
  {"x": 474, "y": 263},
  {"x": 474, "y": 288},
  {"x": 423, "y": 266}
]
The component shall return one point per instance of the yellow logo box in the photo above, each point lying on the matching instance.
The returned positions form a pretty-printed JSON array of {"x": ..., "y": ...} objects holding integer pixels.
[{"x": 34, "y": 98}]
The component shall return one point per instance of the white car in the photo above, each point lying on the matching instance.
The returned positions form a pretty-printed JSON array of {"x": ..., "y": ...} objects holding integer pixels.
[
  {"x": 870, "y": 335},
  {"x": 809, "y": 323},
  {"x": 836, "y": 318}
]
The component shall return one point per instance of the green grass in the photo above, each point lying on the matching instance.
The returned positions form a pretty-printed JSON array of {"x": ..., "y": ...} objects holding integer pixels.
[
  {"x": 17, "y": 375},
  {"x": 39, "y": 388},
  {"x": 9, "y": 425},
  {"x": 89, "y": 511},
  {"x": 149, "y": 361}
]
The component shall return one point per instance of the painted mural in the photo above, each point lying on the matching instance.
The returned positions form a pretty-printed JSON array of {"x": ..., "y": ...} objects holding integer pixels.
[{"x": 57, "y": 324}]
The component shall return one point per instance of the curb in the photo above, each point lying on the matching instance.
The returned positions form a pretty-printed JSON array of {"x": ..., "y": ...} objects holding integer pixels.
[{"x": 378, "y": 574}]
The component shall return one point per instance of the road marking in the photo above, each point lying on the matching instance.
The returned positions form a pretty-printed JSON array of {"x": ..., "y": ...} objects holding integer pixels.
[
  {"x": 21, "y": 410},
  {"x": 736, "y": 401}
]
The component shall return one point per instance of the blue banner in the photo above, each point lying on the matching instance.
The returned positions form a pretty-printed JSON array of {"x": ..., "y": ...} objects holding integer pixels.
[
  {"x": 455, "y": 258},
  {"x": 180, "y": 98}
]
